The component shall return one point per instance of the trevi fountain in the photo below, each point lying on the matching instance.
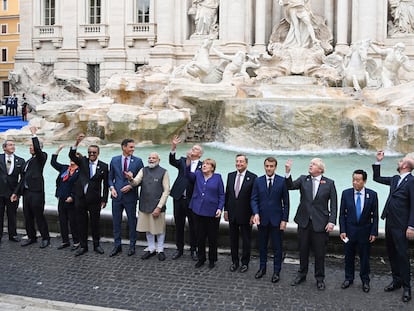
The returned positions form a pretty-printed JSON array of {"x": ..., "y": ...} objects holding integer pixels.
[{"x": 301, "y": 93}]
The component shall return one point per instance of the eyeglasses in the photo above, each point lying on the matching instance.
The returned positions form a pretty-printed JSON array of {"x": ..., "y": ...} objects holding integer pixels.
[{"x": 92, "y": 152}]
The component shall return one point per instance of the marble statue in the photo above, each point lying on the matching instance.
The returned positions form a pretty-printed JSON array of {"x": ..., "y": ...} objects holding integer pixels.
[
  {"x": 394, "y": 59},
  {"x": 357, "y": 65},
  {"x": 201, "y": 65},
  {"x": 298, "y": 44},
  {"x": 402, "y": 13},
  {"x": 299, "y": 15},
  {"x": 204, "y": 13},
  {"x": 237, "y": 64}
]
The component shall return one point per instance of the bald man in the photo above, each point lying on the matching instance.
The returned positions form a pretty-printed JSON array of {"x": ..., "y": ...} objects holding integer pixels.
[{"x": 399, "y": 221}]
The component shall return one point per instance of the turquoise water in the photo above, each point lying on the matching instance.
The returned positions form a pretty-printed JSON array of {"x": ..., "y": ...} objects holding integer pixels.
[{"x": 339, "y": 166}]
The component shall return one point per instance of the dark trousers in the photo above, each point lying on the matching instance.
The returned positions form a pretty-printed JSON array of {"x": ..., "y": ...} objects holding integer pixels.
[
  {"x": 317, "y": 241},
  {"x": 397, "y": 249},
  {"x": 33, "y": 208},
  {"x": 207, "y": 227},
  {"x": 245, "y": 231},
  {"x": 181, "y": 212},
  {"x": 67, "y": 219},
  {"x": 86, "y": 210},
  {"x": 363, "y": 247},
  {"x": 131, "y": 211},
  {"x": 276, "y": 235},
  {"x": 10, "y": 208}
]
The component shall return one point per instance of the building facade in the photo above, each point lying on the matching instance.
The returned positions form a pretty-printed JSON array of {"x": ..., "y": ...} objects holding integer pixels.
[
  {"x": 94, "y": 39},
  {"x": 9, "y": 41}
]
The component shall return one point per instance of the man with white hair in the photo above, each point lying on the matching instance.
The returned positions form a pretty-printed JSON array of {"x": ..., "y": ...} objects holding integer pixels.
[
  {"x": 315, "y": 216},
  {"x": 155, "y": 188}
]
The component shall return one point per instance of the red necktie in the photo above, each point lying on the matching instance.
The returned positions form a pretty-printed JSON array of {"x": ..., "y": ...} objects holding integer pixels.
[{"x": 126, "y": 164}]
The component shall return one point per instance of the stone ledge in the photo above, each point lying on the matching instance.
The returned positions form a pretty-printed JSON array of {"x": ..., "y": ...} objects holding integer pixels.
[{"x": 335, "y": 245}]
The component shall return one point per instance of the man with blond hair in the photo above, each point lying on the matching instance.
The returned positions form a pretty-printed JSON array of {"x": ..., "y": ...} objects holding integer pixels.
[
  {"x": 315, "y": 216},
  {"x": 399, "y": 221}
]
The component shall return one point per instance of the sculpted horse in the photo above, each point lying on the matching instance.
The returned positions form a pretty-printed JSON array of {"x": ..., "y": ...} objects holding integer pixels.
[{"x": 357, "y": 65}]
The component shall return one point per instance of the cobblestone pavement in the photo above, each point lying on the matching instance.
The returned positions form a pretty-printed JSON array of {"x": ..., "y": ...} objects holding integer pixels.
[{"x": 130, "y": 283}]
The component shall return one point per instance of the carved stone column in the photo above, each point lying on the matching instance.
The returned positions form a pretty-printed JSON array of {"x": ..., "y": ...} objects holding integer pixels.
[
  {"x": 364, "y": 25},
  {"x": 233, "y": 25},
  {"x": 342, "y": 24},
  {"x": 260, "y": 27},
  {"x": 165, "y": 22},
  {"x": 163, "y": 51}
]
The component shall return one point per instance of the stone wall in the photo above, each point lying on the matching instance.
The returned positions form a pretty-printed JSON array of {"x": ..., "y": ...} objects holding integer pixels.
[{"x": 335, "y": 245}]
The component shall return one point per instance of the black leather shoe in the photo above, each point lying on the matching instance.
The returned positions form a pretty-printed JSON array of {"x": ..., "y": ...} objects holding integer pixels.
[
  {"x": 365, "y": 287},
  {"x": 44, "y": 243},
  {"x": 233, "y": 267},
  {"x": 131, "y": 251},
  {"x": 28, "y": 242},
  {"x": 346, "y": 284},
  {"x": 406, "y": 297},
  {"x": 98, "y": 249},
  {"x": 63, "y": 245},
  {"x": 259, "y": 274},
  {"x": 115, "y": 251},
  {"x": 80, "y": 251},
  {"x": 148, "y": 254},
  {"x": 177, "y": 254},
  {"x": 275, "y": 277},
  {"x": 392, "y": 287},
  {"x": 199, "y": 264},
  {"x": 211, "y": 264},
  {"x": 320, "y": 285},
  {"x": 194, "y": 255},
  {"x": 244, "y": 268},
  {"x": 298, "y": 280},
  {"x": 14, "y": 238},
  {"x": 161, "y": 256}
]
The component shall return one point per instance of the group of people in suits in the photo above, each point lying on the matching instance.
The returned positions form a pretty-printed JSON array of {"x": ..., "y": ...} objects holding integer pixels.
[
  {"x": 11, "y": 103},
  {"x": 201, "y": 197}
]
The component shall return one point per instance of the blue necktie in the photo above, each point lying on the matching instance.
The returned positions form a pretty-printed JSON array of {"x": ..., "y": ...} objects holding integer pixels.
[{"x": 358, "y": 205}]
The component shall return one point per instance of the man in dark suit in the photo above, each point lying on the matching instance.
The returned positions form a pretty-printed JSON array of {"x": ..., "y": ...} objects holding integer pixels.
[
  {"x": 124, "y": 196},
  {"x": 11, "y": 170},
  {"x": 32, "y": 187},
  {"x": 399, "y": 221},
  {"x": 91, "y": 194},
  {"x": 358, "y": 221},
  {"x": 181, "y": 191},
  {"x": 14, "y": 105},
  {"x": 270, "y": 206},
  {"x": 315, "y": 216},
  {"x": 238, "y": 212}
]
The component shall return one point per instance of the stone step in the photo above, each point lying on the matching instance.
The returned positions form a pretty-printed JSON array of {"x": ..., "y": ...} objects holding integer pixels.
[{"x": 11, "y": 122}]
